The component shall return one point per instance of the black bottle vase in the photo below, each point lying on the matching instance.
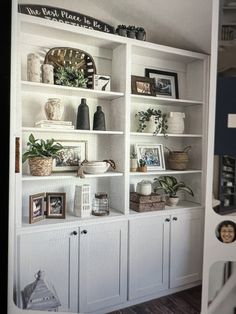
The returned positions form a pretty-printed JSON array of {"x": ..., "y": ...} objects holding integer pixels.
[
  {"x": 99, "y": 120},
  {"x": 82, "y": 122}
]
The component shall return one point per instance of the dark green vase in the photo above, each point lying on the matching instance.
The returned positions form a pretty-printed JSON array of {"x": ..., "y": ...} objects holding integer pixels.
[
  {"x": 99, "y": 120},
  {"x": 82, "y": 122}
]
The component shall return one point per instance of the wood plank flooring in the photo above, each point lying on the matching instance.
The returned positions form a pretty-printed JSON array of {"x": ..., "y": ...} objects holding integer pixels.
[{"x": 184, "y": 302}]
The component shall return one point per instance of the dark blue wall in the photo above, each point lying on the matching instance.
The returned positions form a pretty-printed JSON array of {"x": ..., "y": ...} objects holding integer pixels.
[{"x": 225, "y": 138}]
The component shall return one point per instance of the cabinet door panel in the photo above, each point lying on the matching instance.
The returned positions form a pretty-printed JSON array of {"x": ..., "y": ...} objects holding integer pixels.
[
  {"x": 55, "y": 253},
  {"x": 103, "y": 265},
  {"x": 148, "y": 256},
  {"x": 186, "y": 248}
]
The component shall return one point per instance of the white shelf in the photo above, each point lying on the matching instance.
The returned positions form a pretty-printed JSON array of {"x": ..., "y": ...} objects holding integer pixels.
[
  {"x": 162, "y": 135},
  {"x": 70, "y": 219},
  {"x": 51, "y": 130},
  {"x": 165, "y": 172},
  {"x": 165, "y": 101},
  {"x": 33, "y": 87},
  {"x": 71, "y": 175}
]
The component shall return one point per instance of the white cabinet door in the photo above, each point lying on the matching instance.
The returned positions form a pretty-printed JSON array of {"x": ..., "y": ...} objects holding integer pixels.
[
  {"x": 148, "y": 255},
  {"x": 186, "y": 249},
  {"x": 103, "y": 265},
  {"x": 55, "y": 253}
]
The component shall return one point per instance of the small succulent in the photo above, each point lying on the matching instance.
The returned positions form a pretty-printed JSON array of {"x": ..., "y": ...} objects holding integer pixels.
[
  {"x": 140, "y": 29},
  {"x": 142, "y": 163},
  {"x": 133, "y": 155},
  {"x": 70, "y": 76},
  {"x": 131, "y": 28},
  {"x": 121, "y": 26}
]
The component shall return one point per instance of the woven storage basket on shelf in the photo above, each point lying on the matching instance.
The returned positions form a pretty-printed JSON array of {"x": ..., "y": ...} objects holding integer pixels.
[
  {"x": 178, "y": 160},
  {"x": 40, "y": 166}
]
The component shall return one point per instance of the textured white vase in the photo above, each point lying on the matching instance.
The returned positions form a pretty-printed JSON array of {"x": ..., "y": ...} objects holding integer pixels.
[
  {"x": 175, "y": 122},
  {"x": 33, "y": 67},
  {"x": 151, "y": 126},
  {"x": 54, "y": 109}
]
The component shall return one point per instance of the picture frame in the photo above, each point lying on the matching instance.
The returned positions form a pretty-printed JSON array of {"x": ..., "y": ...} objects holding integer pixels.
[
  {"x": 36, "y": 207},
  {"x": 71, "y": 156},
  {"x": 166, "y": 83},
  {"x": 56, "y": 205},
  {"x": 142, "y": 85},
  {"x": 153, "y": 154},
  {"x": 102, "y": 82}
]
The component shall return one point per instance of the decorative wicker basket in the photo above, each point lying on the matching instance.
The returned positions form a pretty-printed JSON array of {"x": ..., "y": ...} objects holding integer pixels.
[
  {"x": 40, "y": 166},
  {"x": 178, "y": 160}
]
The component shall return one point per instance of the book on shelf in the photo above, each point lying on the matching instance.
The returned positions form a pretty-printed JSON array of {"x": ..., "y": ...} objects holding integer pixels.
[
  {"x": 53, "y": 122},
  {"x": 55, "y": 126}
]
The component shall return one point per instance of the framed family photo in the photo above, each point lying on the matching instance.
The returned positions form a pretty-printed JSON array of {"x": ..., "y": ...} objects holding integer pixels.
[
  {"x": 166, "y": 83},
  {"x": 36, "y": 207},
  {"x": 152, "y": 154},
  {"x": 56, "y": 205},
  {"x": 71, "y": 156},
  {"x": 142, "y": 85}
]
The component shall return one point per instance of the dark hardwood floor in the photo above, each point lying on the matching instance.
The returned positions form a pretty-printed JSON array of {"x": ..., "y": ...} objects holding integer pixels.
[{"x": 184, "y": 302}]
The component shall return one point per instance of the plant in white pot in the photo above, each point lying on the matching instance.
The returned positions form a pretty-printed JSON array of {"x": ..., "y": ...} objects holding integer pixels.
[
  {"x": 133, "y": 161},
  {"x": 40, "y": 155},
  {"x": 152, "y": 121},
  {"x": 171, "y": 186}
]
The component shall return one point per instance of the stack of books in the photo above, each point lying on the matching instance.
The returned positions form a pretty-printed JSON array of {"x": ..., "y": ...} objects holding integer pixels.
[{"x": 53, "y": 124}]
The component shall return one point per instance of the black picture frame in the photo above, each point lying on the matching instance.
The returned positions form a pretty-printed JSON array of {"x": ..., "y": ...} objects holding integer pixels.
[
  {"x": 142, "y": 85},
  {"x": 56, "y": 205},
  {"x": 166, "y": 83}
]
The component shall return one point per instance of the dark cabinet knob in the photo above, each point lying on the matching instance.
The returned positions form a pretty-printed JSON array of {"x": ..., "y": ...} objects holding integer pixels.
[
  {"x": 74, "y": 233},
  {"x": 175, "y": 218},
  {"x": 167, "y": 219},
  {"x": 84, "y": 231}
]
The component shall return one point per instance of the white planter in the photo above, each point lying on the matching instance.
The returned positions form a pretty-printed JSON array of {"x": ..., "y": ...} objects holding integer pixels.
[
  {"x": 54, "y": 109},
  {"x": 133, "y": 164},
  {"x": 151, "y": 126},
  {"x": 175, "y": 122},
  {"x": 172, "y": 201}
]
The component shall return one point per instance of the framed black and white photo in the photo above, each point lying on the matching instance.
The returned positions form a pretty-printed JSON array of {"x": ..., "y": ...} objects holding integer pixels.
[
  {"x": 166, "y": 83},
  {"x": 102, "y": 82},
  {"x": 142, "y": 85},
  {"x": 152, "y": 154},
  {"x": 71, "y": 156},
  {"x": 56, "y": 205},
  {"x": 36, "y": 207}
]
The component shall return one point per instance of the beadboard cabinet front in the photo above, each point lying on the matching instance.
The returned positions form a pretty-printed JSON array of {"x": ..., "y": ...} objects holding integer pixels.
[
  {"x": 56, "y": 253},
  {"x": 103, "y": 266}
]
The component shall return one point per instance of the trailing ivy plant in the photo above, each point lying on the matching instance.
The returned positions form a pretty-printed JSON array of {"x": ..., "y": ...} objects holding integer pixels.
[
  {"x": 70, "y": 76},
  {"x": 160, "y": 120}
]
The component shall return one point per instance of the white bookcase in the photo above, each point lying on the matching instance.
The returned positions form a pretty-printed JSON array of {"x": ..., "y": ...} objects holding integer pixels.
[{"x": 119, "y": 57}]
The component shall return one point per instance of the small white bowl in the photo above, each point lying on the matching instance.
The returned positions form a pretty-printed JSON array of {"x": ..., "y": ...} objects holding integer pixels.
[{"x": 94, "y": 167}]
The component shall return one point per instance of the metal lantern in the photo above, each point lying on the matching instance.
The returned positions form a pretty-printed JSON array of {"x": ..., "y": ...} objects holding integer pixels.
[{"x": 40, "y": 295}]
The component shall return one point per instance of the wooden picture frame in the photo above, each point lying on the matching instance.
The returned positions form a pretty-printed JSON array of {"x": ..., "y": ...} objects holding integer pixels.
[
  {"x": 153, "y": 154},
  {"x": 71, "y": 156},
  {"x": 166, "y": 83},
  {"x": 36, "y": 207},
  {"x": 142, "y": 85},
  {"x": 56, "y": 205}
]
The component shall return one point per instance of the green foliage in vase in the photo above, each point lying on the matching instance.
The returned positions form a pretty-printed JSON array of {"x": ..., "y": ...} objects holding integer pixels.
[
  {"x": 160, "y": 120},
  {"x": 41, "y": 148},
  {"x": 142, "y": 163},
  {"x": 70, "y": 76},
  {"x": 171, "y": 186}
]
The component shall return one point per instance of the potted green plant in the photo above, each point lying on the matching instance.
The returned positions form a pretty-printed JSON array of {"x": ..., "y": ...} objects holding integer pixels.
[
  {"x": 70, "y": 76},
  {"x": 121, "y": 30},
  {"x": 131, "y": 31},
  {"x": 153, "y": 121},
  {"x": 140, "y": 33},
  {"x": 171, "y": 186},
  {"x": 40, "y": 155},
  {"x": 142, "y": 165},
  {"x": 133, "y": 161}
]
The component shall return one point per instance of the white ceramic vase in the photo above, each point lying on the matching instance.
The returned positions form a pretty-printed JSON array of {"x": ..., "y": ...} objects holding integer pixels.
[
  {"x": 54, "y": 109},
  {"x": 175, "y": 122},
  {"x": 172, "y": 201},
  {"x": 151, "y": 126}
]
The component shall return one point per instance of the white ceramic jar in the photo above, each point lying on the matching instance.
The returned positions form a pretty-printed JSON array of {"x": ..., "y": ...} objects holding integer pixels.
[
  {"x": 47, "y": 73},
  {"x": 33, "y": 67},
  {"x": 54, "y": 109},
  {"x": 175, "y": 122},
  {"x": 144, "y": 187}
]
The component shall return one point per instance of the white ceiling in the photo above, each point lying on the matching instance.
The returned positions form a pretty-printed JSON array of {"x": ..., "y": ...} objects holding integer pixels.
[{"x": 183, "y": 24}]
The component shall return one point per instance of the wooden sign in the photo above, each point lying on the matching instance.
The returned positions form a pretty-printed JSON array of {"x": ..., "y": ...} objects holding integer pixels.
[{"x": 65, "y": 16}]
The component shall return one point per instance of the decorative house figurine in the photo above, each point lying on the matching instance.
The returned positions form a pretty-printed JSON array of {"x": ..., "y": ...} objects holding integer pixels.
[
  {"x": 82, "y": 202},
  {"x": 40, "y": 295}
]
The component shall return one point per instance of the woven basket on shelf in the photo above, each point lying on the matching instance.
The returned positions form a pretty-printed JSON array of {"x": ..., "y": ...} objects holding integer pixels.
[
  {"x": 178, "y": 160},
  {"x": 40, "y": 166}
]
